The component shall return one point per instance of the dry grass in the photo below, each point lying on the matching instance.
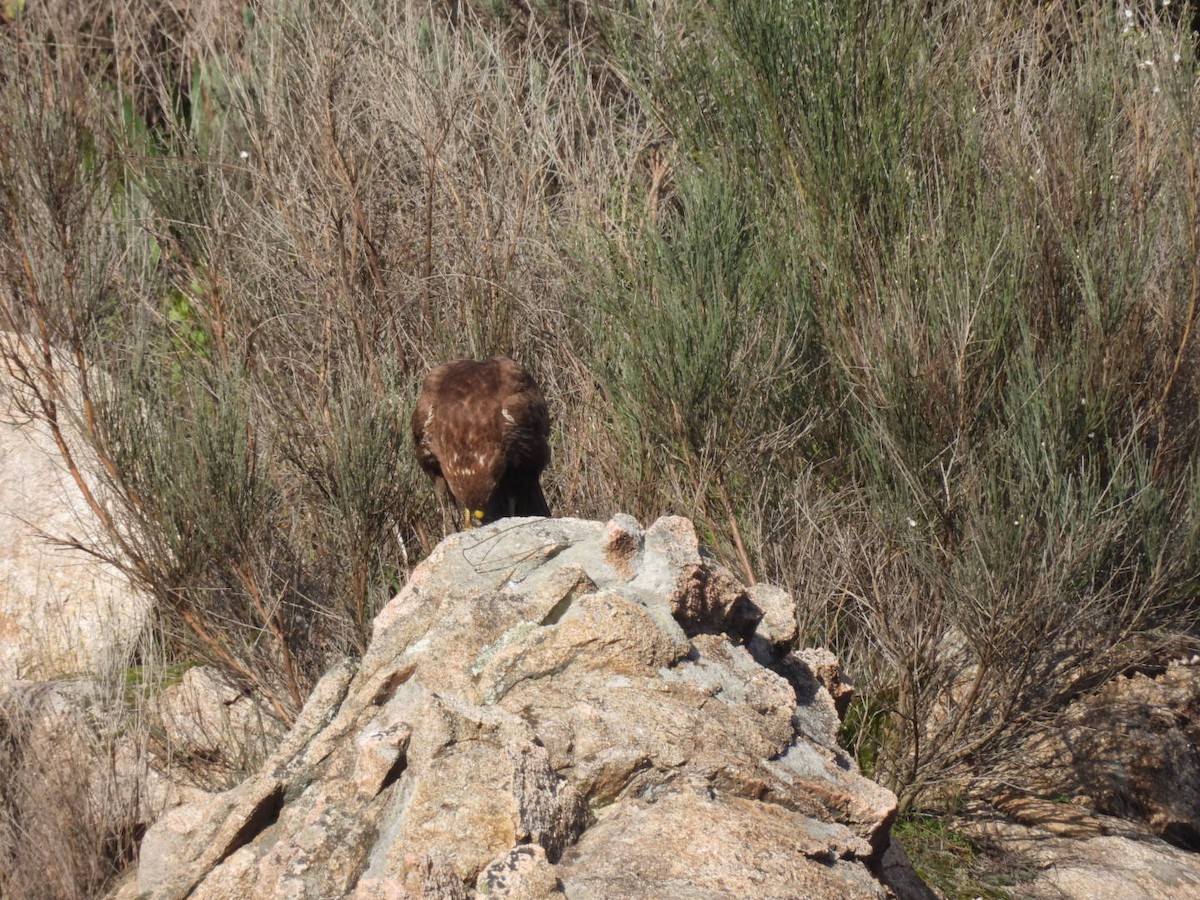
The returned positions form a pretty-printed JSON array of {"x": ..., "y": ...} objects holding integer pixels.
[{"x": 71, "y": 791}]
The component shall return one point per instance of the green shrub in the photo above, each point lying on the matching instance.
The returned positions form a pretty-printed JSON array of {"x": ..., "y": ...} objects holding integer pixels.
[{"x": 972, "y": 234}]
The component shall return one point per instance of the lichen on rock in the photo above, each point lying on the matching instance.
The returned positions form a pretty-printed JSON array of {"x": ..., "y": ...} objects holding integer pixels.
[{"x": 549, "y": 708}]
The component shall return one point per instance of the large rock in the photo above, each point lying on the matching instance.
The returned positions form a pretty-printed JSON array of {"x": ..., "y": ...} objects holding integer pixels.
[
  {"x": 549, "y": 708},
  {"x": 1074, "y": 854},
  {"x": 61, "y": 610},
  {"x": 212, "y": 727},
  {"x": 1114, "y": 866},
  {"x": 1132, "y": 750}
]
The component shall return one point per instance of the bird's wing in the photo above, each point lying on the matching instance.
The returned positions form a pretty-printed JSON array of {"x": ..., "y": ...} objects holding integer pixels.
[
  {"x": 526, "y": 423},
  {"x": 422, "y": 419}
]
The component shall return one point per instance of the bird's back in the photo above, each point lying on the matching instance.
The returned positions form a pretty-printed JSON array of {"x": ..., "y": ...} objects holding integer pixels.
[{"x": 484, "y": 427}]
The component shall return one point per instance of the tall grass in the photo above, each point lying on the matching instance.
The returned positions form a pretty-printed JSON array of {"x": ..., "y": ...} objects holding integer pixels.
[
  {"x": 72, "y": 802},
  {"x": 898, "y": 304},
  {"x": 974, "y": 274}
]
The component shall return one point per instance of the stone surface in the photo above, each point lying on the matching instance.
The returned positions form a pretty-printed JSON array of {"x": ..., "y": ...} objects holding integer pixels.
[
  {"x": 1132, "y": 750},
  {"x": 522, "y": 873},
  {"x": 548, "y": 708},
  {"x": 778, "y": 608},
  {"x": 1080, "y": 856},
  {"x": 206, "y": 718},
  {"x": 61, "y": 610},
  {"x": 1111, "y": 866}
]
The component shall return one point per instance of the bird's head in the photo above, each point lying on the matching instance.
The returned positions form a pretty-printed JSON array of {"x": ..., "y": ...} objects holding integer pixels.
[{"x": 473, "y": 488}]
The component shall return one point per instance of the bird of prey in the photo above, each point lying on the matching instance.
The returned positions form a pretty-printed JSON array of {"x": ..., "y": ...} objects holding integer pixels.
[{"x": 482, "y": 431}]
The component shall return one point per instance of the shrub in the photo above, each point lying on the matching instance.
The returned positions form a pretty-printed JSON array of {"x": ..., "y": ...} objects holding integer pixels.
[
  {"x": 949, "y": 257},
  {"x": 231, "y": 254}
]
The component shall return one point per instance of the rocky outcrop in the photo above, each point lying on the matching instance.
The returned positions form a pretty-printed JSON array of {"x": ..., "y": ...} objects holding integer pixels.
[
  {"x": 1132, "y": 750},
  {"x": 1104, "y": 795},
  {"x": 61, "y": 611},
  {"x": 1070, "y": 853},
  {"x": 551, "y": 708}
]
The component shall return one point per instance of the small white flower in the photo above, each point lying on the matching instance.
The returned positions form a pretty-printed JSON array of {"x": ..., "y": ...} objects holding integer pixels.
[
  {"x": 1175, "y": 57},
  {"x": 1128, "y": 13},
  {"x": 245, "y": 154},
  {"x": 912, "y": 523}
]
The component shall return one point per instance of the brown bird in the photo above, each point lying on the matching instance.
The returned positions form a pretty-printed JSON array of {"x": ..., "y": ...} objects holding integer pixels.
[{"x": 482, "y": 431}]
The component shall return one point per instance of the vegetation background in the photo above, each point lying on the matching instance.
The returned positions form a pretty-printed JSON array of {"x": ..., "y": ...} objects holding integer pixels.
[{"x": 898, "y": 303}]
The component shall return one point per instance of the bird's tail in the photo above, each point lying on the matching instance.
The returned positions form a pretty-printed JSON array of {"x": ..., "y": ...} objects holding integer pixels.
[
  {"x": 517, "y": 495},
  {"x": 531, "y": 501}
]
